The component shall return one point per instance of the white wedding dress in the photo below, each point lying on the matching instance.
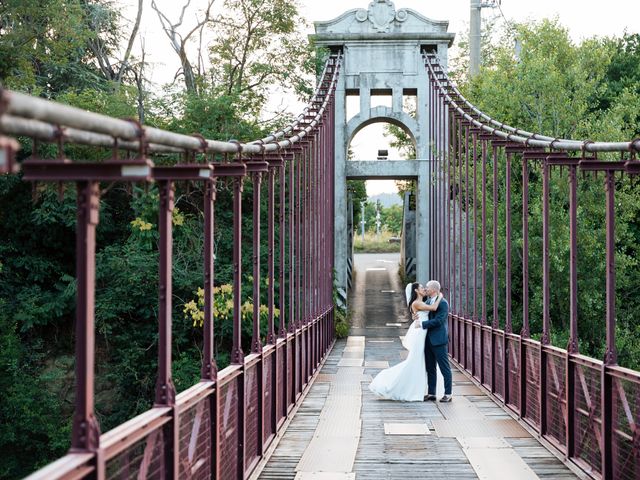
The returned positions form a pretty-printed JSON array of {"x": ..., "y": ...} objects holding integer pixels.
[{"x": 406, "y": 381}]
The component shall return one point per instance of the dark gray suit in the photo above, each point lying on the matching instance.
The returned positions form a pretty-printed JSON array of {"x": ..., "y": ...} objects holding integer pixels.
[{"x": 435, "y": 347}]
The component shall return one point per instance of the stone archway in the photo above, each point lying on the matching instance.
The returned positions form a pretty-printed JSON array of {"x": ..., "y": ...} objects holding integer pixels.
[{"x": 382, "y": 52}]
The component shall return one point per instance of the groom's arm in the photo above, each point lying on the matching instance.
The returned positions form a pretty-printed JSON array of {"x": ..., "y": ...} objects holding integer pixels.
[{"x": 439, "y": 318}]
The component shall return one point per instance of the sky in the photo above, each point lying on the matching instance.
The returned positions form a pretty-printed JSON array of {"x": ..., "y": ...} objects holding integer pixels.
[{"x": 583, "y": 19}]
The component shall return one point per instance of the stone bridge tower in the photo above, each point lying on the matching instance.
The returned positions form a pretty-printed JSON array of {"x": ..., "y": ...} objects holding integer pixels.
[{"x": 382, "y": 50}]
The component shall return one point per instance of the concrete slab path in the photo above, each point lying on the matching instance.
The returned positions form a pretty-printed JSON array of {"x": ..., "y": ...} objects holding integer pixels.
[{"x": 343, "y": 431}]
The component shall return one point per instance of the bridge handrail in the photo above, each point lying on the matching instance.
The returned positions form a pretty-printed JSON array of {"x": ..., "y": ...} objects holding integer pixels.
[
  {"x": 507, "y": 132},
  {"x": 22, "y": 114}
]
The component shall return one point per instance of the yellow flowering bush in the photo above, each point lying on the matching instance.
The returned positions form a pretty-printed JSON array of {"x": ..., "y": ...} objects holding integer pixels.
[
  {"x": 141, "y": 225},
  {"x": 223, "y": 308},
  {"x": 177, "y": 217}
]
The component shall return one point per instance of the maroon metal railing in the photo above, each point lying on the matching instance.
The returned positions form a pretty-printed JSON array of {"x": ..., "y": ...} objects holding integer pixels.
[
  {"x": 589, "y": 410},
  {"x": 222, "y": 426}
]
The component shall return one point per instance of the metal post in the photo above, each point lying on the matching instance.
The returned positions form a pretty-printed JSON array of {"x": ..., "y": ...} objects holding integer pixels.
[
  {"x": 271, "y": 337},
  {"x": 496, "y": 283},
  {"x": 282, "y": 331},
  {"x": 256, "y": 344},
  {"x": 611, "y": 353},
  {"x": 483, "y": 318},
  {"x": 165, "y": 390},
  {"x": 467, "y": 152},
  {"x": 495, "y": 324},
  {"x": 572, "y": 347},
  {"x": 85, "y": 435},
  {"x": 237, "y": 356},
  {"x": 525, "y": 287},
  {"x": 546, "y": 322},
  {"x": 209, "y": 368},
  {"x": 507, "y": 300}
]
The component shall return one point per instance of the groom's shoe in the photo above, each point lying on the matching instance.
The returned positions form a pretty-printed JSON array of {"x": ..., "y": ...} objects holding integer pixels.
[
  {"x": 429, "y": 398},
  {"x": 446, "y": 398}
]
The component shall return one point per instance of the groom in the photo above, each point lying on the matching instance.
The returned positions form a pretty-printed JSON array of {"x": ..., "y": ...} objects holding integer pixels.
[{"x": 436, "y": 343}]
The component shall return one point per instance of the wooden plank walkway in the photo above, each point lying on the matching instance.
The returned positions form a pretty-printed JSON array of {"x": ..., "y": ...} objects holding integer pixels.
[{"x": 343, "y": 431}]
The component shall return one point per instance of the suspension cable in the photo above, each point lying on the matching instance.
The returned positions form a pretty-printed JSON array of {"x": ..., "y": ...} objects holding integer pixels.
[
  {"x": 36, "y": 117},
  {"x": 506, "y": 132}
]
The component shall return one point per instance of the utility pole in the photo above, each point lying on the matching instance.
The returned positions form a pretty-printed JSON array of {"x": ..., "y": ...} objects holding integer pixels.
[
  {"x": 475, "y": 32},
  {"x": 475, "y": 29},
  {"x": 378, "y": 220}
]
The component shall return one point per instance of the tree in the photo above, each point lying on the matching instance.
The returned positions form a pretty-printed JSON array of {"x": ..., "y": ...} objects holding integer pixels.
[
  {"x": 258, "y": 44},
  {"x": 45, "y": 47},
  {"x": 103, "y": 20},
  {"x": 179, "y": 42}
]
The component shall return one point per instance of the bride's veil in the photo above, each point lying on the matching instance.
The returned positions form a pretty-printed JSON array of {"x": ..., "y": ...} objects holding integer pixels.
[{"x": 408, "y": 291}]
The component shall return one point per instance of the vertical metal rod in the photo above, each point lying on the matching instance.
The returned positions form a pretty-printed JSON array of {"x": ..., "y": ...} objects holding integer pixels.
[
  {"x": 298, "y": 269},
  {"x": 85, "y": 435},
  {"x": 611, "y": 355},
  {"x": 209, "y": 368},
  {"x": 454, "y": 258},
  {"x": 291, "y": 228},
  {"x": 282, "y": 184},
  {"x": 461, "y": 310},
  {"x": 483, "y": 296},
  {"x": 507, "y": 302},
  {"x": 474, "y": 313},
  {"x": 496, "y": 283},
  {"x": 467, "y": 152},
  {"x": 475, "y": 229},
  {"x": 495, "y": 324},
  {"x": 282, "y": 289},
  {"x": 572, "y": 347},
  {"x": 165, "y": 390},
  {"x": 297, "y": 236},
  {"x": 526, "y": 333},
  {"x": 607, "y": 402},
  {"x": 546, "y": 299},
  {"x": 484, "y": 233},
  {"x": 256, "y": 343},
  {"x": 271, "y": 337},
  {"x": 544, "y": 340},
  {"x": 441, "y": 193},
  {"x": 237, "y": 356},
  {"x": 432, "y": 210},
  {"x": 450, "y": 279}
]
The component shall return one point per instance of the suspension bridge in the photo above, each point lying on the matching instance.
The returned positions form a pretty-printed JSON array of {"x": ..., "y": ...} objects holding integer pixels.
[{"x": 296, "y": 405}]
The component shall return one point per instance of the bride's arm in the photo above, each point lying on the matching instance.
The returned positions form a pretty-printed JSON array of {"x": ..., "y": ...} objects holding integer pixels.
[{"x": 429, "y": 308}]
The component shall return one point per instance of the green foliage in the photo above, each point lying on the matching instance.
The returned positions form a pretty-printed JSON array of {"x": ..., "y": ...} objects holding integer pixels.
[
  {"x": 390, "y": 218},
  {"x": 340, "y": 318},
  {"x": 44, "y": 46},
  {"x": 259, "y": 43},
  {"x": 358, "y": 191},
  {"x": 375, "y": 243},
  {"x": 560, "y": 89}
]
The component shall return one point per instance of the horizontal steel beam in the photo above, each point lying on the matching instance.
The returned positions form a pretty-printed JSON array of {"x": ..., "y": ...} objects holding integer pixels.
[{"x": 383, "y": 169}]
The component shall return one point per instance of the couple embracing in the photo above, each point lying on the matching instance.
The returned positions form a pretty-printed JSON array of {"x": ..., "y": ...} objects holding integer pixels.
[{"x": 427, "y": 341}]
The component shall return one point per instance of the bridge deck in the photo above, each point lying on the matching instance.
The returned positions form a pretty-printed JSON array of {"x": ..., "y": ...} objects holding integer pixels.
[{"x": 342, "y": 431}]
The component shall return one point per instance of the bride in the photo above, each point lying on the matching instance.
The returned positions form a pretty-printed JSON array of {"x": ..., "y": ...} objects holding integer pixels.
[{"x": 407, "y": 381}]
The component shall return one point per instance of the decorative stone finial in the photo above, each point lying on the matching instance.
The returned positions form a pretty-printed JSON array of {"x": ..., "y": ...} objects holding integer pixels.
[{"x": 381, "y": 14}]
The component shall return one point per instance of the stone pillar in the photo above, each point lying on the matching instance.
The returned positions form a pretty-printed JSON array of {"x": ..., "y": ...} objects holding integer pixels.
[
  {"x": 422, "y": 222},
  {"x": 341, "y": 237}
]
